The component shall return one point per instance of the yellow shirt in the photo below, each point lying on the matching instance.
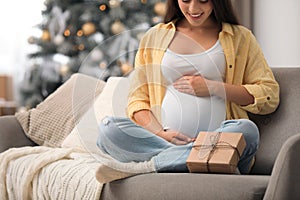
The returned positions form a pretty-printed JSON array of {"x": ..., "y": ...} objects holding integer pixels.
[{"x": 245, "y": 65}]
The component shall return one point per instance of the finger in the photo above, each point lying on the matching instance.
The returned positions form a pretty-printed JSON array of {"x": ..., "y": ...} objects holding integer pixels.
[
  {"x": 178, "y": 142},
  {"x": 182, "y": 86},
  {"x": 187, "y": 77},
  {"x": 182, "y": 80},
  {"x": 183, "y": 137},
  {"x": 187, "y": 91}
]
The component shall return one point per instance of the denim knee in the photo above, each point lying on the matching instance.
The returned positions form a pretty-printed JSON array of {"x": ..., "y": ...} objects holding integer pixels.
[
  {"x": 244, "y": 126},
  {"x": 251, "y": 135}
]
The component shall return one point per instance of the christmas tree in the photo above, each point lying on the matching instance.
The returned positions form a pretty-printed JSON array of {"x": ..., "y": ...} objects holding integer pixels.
[{"x": 94, "y": 37}]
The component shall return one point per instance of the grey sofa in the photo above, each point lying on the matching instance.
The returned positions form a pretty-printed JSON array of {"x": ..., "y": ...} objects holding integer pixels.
[{"x": 275, "y": 175}]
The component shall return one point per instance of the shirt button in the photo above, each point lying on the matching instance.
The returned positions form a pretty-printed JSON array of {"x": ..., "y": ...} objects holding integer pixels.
[
  {"x": 230, "y": 66},
  {"x": 268, "y": 98}
]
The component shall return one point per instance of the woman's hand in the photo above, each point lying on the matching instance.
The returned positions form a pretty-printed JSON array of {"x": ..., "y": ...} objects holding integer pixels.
[
  {"x": 193, "y": 85},
  {"x": 174, "y": 137},
  {"x": 146, "y": 119},
  {"x": 201, "y": 87}
]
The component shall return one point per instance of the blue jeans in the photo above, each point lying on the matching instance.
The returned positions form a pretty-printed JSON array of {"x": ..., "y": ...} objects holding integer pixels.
[{"x": 125, "y": 141}]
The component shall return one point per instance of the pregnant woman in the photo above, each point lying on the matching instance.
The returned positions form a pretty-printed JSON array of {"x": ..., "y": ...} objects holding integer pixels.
[{"x": 198, "y": 71}]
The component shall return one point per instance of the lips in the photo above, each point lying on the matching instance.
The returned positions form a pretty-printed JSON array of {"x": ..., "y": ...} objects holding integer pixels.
[{"x": 195, "y": 16}]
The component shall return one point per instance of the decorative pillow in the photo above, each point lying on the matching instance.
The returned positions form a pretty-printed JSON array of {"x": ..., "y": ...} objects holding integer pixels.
[
  {"x": 53, "y": 119},
  {"x": 111, "y": 102}
]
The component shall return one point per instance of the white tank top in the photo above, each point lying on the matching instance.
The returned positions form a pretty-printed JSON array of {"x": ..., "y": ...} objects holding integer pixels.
[{"x": 186, "y": 113}]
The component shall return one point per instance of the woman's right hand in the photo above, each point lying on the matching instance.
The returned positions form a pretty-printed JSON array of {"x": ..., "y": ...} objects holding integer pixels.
[
  {"x": 174, "y": 137},
  {"x": 146, "y": 119}
]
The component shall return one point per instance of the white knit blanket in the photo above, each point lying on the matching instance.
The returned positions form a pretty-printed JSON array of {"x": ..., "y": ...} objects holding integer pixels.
[{"x": 59, "y": 173}]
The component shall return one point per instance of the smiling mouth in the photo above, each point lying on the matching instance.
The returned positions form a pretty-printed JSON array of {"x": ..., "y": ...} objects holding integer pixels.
[{"x": 195, "y": 15}]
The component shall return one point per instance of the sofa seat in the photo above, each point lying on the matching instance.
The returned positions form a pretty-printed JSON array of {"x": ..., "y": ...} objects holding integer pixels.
[{"x": 167, "y": 186}]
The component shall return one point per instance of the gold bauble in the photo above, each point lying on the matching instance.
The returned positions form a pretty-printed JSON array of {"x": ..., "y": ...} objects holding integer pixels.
[
  {"x": 160, "y": 8},
  {"x": 88, "y": 28},
  {"x": 117, "y": 27},
  {"x": 103, "y": 65},
  {"x": 46, "y": 35},
  {"x": 126, "y": 68}
]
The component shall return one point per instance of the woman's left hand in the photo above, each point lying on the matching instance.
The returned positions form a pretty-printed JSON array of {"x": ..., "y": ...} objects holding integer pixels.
[
  {"x": 174, "y": 137},
  {"x": 193, "y": 85}
]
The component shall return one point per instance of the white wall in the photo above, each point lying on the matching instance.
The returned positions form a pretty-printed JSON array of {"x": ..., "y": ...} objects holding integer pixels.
[
  {"x": 244, "y": 11},
  {"x": 17, "y": 19},
  {"x": 277, "y": 28}
]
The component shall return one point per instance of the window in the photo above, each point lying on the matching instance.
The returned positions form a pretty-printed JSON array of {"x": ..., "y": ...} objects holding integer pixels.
[{"x": 17, "y": 19}]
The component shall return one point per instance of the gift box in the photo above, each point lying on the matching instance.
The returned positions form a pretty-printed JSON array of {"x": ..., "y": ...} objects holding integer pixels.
[
  {"x": 216, "y": 152},
  {"x": 7, "y": 108},
  {"x": 6, "y": 87}
]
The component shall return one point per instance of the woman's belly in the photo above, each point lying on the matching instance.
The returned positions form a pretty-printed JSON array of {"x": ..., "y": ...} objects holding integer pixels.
[{"x": 189, "y": 114}]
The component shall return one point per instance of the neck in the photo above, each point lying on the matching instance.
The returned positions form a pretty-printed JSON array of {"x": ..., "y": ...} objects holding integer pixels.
[{"x": 208, "y": 25}]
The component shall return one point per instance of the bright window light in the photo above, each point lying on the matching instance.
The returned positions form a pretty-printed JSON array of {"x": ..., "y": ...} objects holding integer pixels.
[{"x": 17, "y": 19}]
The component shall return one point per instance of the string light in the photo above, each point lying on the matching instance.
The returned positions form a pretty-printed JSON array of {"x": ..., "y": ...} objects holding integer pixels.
[
  {"x": 102, "y": 7},
  {"x": 67, "y": 33},
  {"x": 81, "y": 47},
  {"x": 79, "y": 33}
]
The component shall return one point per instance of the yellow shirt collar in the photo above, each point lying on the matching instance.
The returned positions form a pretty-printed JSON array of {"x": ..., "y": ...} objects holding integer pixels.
[{"x": 226, "y": 27}]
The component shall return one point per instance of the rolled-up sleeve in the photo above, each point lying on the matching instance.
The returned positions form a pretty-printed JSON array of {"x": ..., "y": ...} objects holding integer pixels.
[
  {"x": 260, "y": 82},
  {"x": 266, "y": 98}
]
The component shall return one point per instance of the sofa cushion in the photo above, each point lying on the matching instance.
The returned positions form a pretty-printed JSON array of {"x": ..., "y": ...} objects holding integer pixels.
[
  {"x": 187, "y": 186},
  {"x": 53, "y": 119},
  {"x": 111, "y": 102},
  {"x": 12, "y": 134}
]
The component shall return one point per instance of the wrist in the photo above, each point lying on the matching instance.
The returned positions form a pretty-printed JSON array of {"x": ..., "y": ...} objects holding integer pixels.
[
  {"x": 154, "y": 128},
  {"x": 163, "y": 135},
  {"x": 216, "y": 88},
  {"x": 160, "y": 133}
]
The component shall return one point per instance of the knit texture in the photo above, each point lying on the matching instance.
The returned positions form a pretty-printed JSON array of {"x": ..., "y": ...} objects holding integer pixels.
[
  {"x": 39, "y": 172},
  {"x": 53, "y": 119},
  {"x": 48, "y": 173}
]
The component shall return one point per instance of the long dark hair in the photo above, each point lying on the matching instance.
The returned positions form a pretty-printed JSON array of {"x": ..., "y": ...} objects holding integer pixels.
[{"x": 223, "y": 11}]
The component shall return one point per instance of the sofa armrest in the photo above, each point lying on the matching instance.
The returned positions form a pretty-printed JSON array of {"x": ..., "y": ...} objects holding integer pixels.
[
  {"x": 12, "y": 134},
  {"x": 285, "y": 178}
]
